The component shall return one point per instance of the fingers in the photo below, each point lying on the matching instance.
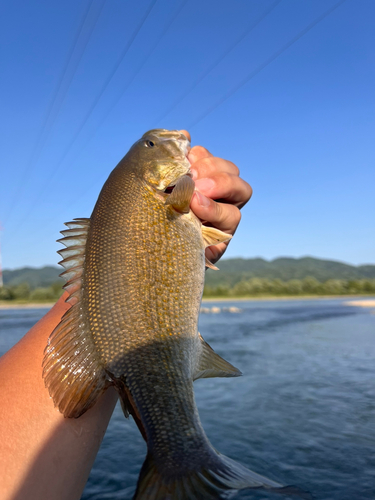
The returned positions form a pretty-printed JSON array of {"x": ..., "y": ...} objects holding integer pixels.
[
  {"x": 225, "y": 187},
  {"x": 220, "y": 193},
  {"x": 198, "y": 153},
  {"x": 224, "y": 217},
  {"x": 218, "y": 178},
  {"x": 186, "y": 134}
]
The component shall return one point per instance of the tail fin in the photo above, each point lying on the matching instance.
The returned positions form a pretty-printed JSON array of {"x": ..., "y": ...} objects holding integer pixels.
[{"x": 205, "y": 484}]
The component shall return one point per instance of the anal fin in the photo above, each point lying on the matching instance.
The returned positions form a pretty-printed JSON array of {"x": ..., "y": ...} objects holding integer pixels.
[
  {"x": 128, "y": 405},
  {"x": 211, "y": 364}
]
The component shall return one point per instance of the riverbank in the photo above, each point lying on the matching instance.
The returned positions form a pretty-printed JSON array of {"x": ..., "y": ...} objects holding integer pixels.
[
  {"x": 26, "y": 305},
  {"x": 287, "y": 297},
  {"x": 362, "y": 301}
]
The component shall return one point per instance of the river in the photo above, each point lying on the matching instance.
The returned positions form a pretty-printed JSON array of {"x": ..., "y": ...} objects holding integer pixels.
[{"x": 303, "y": 412}]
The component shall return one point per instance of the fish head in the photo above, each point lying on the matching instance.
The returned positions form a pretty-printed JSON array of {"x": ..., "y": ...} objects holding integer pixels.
[{"x": 162, "y": 157}]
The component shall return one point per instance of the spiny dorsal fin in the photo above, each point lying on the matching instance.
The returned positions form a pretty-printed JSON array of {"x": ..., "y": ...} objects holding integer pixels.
[
  {"x": 211, "y": 364},
  {"x": 181, "y": 195},
  {"x": 213, "y": 236},
  {"x": 72, "y": 372}
]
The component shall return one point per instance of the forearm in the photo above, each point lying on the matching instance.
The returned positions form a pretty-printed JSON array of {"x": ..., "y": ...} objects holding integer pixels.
[{"x": 42, "y": 454}]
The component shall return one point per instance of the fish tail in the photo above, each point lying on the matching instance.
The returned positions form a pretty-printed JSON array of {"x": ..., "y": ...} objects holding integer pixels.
[{"x": 207, "y": 483}]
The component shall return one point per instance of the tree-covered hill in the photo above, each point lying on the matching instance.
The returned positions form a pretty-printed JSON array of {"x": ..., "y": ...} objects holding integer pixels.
[
  {"x": 285, "y": 268},
  {"x": 231, "y": 272},
  {"x": 34, "y": 277}
]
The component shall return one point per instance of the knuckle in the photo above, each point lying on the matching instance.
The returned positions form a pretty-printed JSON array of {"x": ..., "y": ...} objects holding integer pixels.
[
  {"x": 229, "y": 215},
  {"x": 249, "y": 190},
  {"x": 226, "y": 178},
  {"x": 199, "y": 151},
  {"x": 210, "y": 163},
  {"x": 234, "y": 169},
  {"x": 237, "y": 217}
]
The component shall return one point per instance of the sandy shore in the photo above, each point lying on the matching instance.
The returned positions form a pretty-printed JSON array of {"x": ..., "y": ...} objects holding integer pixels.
[
  {"x": 361, "y": 303},
  {"x": 4, "y": 305},
  {"x": 290, "y": 297}
]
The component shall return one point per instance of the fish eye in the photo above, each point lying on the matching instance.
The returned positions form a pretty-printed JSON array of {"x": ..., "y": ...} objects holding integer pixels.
[{"x": 149, "y": 144}]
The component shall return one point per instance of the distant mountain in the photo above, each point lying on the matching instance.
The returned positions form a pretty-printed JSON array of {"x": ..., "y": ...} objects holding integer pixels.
[
  {"x": 231, "y": 271},
  {"x": 35, "y": 277},
  {"x": 285, "y": 268}
]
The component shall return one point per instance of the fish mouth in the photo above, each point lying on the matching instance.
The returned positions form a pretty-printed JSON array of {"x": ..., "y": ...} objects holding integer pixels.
[
  {"x": 185, "y": 148},
  {"x": 169, "y": 189},
  {"x": 177, "y": 147}
]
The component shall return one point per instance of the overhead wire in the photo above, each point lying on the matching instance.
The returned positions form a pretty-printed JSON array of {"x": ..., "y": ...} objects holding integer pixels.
[
  {"x": 217, "y": 61},
  {"x": 92, "y": 107},
  {"x": 146, "y": 58},
  {"x": 140, "y": 67},
  {"x": 266, "y": 63},
  {"x": 59, "y": 94},
  {"x": 251, "y": 75}
]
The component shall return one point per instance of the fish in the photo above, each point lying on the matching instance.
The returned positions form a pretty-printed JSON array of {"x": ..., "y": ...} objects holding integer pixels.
[{"x": 135, "y": 273}]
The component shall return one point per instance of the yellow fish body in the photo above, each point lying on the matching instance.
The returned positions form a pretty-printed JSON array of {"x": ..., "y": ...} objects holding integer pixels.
[{"x": 135, "y": 277}]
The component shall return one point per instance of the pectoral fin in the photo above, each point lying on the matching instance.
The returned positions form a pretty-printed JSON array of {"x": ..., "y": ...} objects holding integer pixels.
[
  {"x": 211, "y": 364},
  {"x": 213, "y": 236},
  {"x": 181, "y": 195},
  {"x": 209, "y": 264}
]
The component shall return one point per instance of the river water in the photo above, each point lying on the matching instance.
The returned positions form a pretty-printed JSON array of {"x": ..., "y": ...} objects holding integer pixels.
[{"x": 303, "y": 413}]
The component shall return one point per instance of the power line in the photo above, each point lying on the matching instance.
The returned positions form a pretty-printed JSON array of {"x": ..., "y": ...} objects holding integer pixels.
[
  {"x": 174, "y": 17},
  {"x": 105, "y": 85},
  {"x": 60, "y": 93},
  {"x": 142, "y": 65},
  {"x": 265, "y": 64},
  {"x": 92, "y": 107},
  {"x": 165, "y": 30},
  {"x": 210, "y": 68}
]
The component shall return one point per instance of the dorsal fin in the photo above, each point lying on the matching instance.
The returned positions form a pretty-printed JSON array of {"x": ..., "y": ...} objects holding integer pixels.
[
  {"x": 72, "y": 371},
  {"x": 211, "y": 364}
]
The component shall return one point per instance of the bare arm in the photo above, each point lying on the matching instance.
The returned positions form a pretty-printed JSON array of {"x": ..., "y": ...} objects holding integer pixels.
[{"x": 43, "y": 455}]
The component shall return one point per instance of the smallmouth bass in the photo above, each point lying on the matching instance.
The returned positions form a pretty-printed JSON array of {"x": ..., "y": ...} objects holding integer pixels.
[{"x": 135, "y": 276}]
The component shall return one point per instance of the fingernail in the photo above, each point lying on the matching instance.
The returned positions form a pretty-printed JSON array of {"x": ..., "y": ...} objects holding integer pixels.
[
  {"x": 194, "y": 174},
  {"x": 204, "y": 184},
  {"x": 202, "y": 199}
]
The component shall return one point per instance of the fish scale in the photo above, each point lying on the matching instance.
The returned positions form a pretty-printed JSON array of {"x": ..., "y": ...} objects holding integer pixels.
[{"x": 135, "y": 277}]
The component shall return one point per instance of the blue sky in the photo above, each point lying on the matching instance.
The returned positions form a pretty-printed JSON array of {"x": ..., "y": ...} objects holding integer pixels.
[{"x": 81, "y": 82}]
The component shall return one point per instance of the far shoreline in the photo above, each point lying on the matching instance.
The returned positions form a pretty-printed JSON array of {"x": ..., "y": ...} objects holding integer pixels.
[{"x": 362, "y": 299}]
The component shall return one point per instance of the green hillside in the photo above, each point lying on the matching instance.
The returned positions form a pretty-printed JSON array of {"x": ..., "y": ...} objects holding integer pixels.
[
  {"x": 285, "y": 268},
  {"x": 34, "y": 277},
  {"x": 231, "y": 272}
]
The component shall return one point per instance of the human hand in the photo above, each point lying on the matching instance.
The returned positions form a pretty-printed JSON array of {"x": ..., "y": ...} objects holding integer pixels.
[{"x": 217, "y": 179}]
